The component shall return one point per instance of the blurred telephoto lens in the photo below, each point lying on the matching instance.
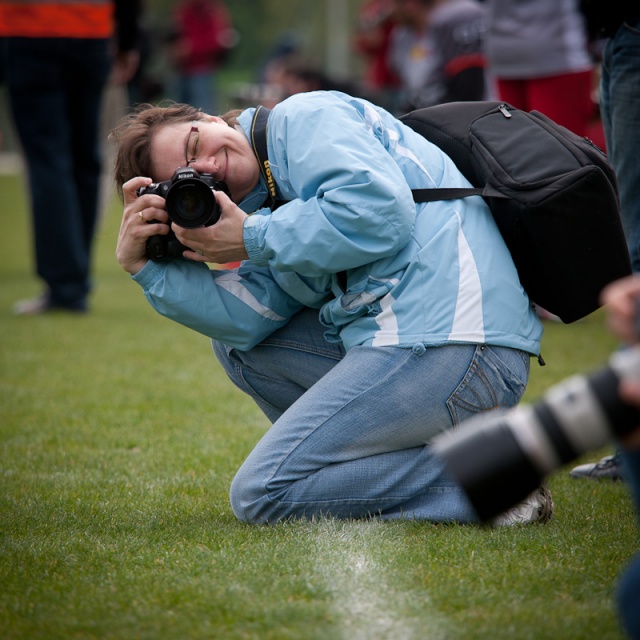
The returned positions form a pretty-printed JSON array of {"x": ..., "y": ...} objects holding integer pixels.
[{"x": 501, "y": 457}]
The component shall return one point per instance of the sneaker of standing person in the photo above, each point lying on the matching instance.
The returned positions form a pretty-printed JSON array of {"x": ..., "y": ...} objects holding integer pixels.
[
  {"x": 607, "y": 468},
  {"x": 44, "y": 304}
]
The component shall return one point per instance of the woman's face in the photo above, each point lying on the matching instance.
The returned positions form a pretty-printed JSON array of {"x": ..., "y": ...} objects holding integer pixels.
[{"x": 215, "y": 148}]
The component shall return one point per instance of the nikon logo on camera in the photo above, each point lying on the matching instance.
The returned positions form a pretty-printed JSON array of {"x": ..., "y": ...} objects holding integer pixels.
[{"x": 181, "y": 175}]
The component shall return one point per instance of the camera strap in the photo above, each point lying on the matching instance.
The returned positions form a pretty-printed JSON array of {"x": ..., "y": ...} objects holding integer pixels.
[{"x": 259, "y": 143}]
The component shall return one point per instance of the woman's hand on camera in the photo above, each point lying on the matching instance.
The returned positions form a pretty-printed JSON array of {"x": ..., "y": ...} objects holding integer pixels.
[
  {"x": 221, "y": 242},
  {"x": 135, "y": 229}
]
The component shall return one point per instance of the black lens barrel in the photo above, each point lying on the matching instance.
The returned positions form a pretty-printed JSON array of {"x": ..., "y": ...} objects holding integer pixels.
[{"x": 191, "y": 203}]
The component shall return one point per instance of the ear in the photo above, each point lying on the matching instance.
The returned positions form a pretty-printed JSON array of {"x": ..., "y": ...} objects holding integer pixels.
[{"x": 213, "y": 118}]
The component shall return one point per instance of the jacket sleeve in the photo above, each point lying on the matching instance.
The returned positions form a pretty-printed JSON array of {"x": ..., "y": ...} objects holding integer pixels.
[
  {"x": 239, "y": 307},
  {"x": 349, "y": 201}
]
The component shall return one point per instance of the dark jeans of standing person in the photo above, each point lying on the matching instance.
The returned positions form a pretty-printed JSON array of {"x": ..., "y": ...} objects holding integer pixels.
[
  {"x": 55, "y": 88},
  {"x": 620, "y": 107}
]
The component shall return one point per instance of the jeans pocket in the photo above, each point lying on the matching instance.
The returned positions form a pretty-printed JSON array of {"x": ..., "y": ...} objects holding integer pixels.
[{"x": 497, "y": 378}]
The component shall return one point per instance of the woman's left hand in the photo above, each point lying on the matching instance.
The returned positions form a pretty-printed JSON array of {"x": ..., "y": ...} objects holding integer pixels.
[{"x": 221, "y": 242}]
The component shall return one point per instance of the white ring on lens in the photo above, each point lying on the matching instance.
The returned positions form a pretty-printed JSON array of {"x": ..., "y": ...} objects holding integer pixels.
[
  {"x": 531, "y": 436},
  {"x": 577, "y": 410}
]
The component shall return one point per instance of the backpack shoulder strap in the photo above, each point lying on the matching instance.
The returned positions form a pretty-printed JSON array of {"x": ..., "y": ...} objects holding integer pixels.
[
  {"x": 453, "y": 193},
  {"x": 432, "y": 195},
  {"x": 259, "y": 126}
]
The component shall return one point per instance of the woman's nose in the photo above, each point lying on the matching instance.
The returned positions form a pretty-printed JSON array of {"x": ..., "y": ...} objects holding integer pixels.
[{"x": 206, "y": 165}]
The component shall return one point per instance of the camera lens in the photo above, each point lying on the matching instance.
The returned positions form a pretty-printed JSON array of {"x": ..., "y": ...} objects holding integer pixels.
[{"x": 191, "y": 203}]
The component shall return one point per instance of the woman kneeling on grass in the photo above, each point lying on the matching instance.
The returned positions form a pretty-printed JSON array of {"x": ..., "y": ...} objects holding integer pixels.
[{"x": 361, "y": 323}]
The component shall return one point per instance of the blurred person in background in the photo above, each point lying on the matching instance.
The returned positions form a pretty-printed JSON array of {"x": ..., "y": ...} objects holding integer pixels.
[
  {"x": 622, "y": 303},
  {"x": 198, "y": 45},
  {"x": 619, "y": 25},
  {"x": 537, "y": 51},
  {"x": 58, "y": 57},
  {"x": 437, "y": 51},
  {"x": 298, "y": 76},
  {"x": 371, "y": 41},
  {"x": 620, "y": 106}
]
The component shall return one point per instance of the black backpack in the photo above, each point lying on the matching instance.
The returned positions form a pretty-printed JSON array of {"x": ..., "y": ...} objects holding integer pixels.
[{"x": 552, "y": 193}]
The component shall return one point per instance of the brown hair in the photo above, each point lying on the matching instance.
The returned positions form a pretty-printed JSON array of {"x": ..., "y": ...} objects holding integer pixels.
[{"x": 134, "y": 133}]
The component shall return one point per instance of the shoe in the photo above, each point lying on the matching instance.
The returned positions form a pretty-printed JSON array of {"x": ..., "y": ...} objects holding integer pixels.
[
  {"x": 537, "y": 507},
  {"x": 42, "y": 304},
  {"x": 607, "y": 468},
  {"x": 33, "y": 306}
]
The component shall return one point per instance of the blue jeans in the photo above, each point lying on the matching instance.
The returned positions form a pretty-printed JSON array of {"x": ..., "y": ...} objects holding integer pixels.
[
  {"x": 350, "y": 431},
  {"x": 55, "y": 92},
  {"x": 620, "y": 108}
]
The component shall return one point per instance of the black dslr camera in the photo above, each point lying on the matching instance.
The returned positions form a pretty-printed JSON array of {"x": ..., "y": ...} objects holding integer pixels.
[
  {"x": 190, "y": 204},
  {"x": 500, "y": 458}
]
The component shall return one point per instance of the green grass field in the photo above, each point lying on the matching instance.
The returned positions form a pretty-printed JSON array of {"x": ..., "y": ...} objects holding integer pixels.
[{"x": 119, "y": 438}]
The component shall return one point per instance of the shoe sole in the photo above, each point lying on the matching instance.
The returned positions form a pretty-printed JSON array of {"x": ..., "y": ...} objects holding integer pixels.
[{"x": 546, "y": 505}]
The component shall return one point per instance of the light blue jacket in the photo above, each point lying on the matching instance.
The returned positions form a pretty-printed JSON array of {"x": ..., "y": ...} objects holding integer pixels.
[{"x": 432, "y": 273}]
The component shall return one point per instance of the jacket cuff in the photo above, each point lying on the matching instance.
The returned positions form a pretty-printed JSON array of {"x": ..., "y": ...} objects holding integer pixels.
[
  {"x": 253, "y": 233},
  {"x": 149, "y": 274}
]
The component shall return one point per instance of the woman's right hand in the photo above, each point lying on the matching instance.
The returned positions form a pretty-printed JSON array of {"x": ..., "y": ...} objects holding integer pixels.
[{"x": 135, "y": 227}]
